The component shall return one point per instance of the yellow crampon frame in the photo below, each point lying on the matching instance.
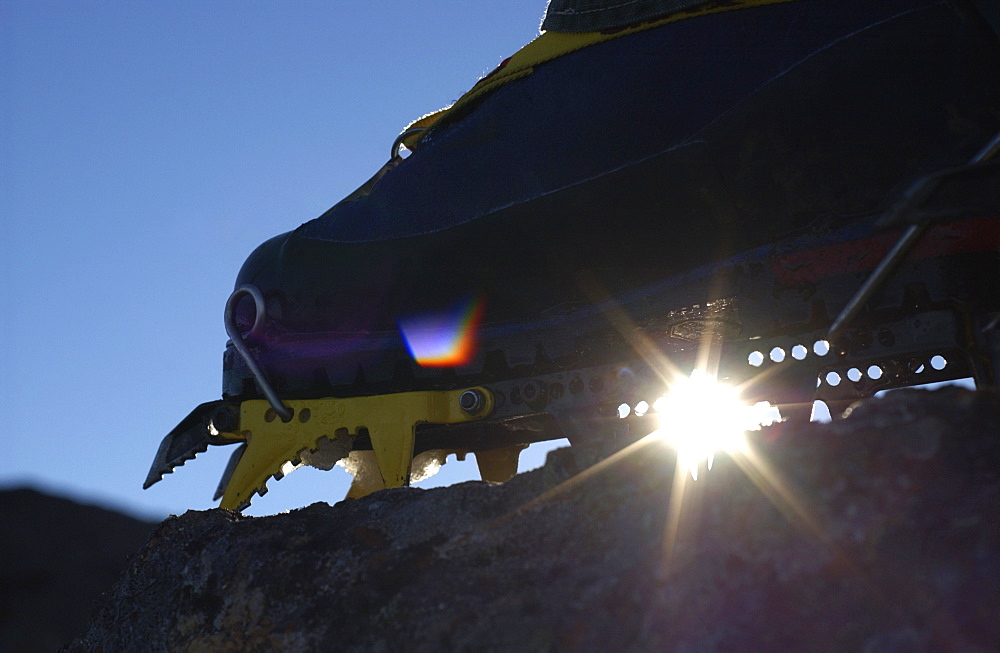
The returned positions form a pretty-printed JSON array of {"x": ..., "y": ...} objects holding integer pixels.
[{"x": 390, "y": 421}]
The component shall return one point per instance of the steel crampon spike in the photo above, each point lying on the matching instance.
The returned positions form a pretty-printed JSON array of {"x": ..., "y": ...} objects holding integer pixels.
[{"x": 190, "y": 437}]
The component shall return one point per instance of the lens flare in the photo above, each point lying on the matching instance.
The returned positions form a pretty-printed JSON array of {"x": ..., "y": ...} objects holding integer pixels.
[
  {"x": 699, "y": 417},
  {"x": 446, "y": 338}
]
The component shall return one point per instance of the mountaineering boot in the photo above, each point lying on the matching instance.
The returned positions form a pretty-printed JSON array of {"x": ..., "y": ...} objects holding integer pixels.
[
  {"x": 616, "y": 169},
  {"x": 698, "y": 191}
]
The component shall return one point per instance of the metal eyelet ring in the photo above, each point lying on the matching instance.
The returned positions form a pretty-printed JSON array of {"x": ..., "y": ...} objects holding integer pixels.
[{"x": 398, "y": 143}]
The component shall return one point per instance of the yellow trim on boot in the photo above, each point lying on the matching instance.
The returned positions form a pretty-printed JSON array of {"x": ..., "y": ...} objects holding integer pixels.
[{"x": 552, "y": 45}]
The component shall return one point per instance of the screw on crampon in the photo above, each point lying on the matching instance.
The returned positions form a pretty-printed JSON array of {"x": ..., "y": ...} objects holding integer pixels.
[{"x": 472, "y": 401}]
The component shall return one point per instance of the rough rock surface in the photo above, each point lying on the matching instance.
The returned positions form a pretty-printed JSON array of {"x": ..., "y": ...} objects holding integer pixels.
[
  {"x": 880, "y": 532},
  {"x": 56, "y": 558}
]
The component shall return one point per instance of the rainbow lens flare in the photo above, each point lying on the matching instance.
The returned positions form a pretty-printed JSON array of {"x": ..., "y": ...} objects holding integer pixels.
[{"x": 444, "y": 339}]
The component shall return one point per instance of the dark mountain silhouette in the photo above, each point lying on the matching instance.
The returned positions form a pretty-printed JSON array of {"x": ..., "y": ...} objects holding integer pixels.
[{"x": 56, "y": 559}]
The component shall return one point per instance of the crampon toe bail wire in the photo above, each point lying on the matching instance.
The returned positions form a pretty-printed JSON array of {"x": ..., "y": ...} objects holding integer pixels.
[{"x": 260, "y": 315}]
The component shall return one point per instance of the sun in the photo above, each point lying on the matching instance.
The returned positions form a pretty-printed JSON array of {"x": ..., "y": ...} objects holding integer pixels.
[{"x": 699, "y": 417}]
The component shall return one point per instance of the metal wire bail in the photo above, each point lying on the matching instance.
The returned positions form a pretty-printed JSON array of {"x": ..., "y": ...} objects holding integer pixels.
[{"x": 260, "y": 317}]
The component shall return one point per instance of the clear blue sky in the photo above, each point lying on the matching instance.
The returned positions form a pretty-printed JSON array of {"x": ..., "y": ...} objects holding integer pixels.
[{"x": 146, "y": 148}]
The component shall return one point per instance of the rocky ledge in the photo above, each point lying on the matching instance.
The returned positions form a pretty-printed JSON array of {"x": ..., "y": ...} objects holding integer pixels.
[{"x": 879, "y": 532}]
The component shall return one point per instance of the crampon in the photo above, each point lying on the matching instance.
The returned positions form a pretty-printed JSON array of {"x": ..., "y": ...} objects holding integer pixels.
[{"x": 797, "y": 200}]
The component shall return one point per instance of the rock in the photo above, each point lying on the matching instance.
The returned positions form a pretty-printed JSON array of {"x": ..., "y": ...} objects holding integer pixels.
[
  {"x": 880, "y": 532},
  {"x": 56, "y": 558}
]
